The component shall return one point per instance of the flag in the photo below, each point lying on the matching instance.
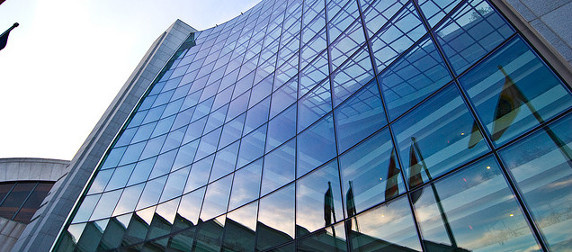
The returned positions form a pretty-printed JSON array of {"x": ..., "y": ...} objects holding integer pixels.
[
  {"x": 510, "y": 100},
  {"x": 329, "y": 205},
  {"x": 415, "y": 167},
  {"x": 391, "y": 187},
  {"x": 4, "y": 36}
]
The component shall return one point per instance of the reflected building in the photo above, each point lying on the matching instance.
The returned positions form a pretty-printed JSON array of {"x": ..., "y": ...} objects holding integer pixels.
[{"x": 356, "y": 125}]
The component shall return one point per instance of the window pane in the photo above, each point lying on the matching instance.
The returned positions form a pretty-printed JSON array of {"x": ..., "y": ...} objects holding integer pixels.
[
  {"x": 15, "y": 199},
  {"x": 473, "y": 210},
  {"x": 388, "y": 227},
  {"x": 276, "y": 218},
  {"x": 316, "y": 146},
  {"x": 359, "y": 116},
  {"x": 239, "y": 229},
  {"x": 246, "y": 185},
  {"x": 541, "y": 165},
  {"x": 329, "y": 239},
  {"x": 279, "y": 167},
  {"x": 414, "y": 76},
  {"x": 471, "y": 32},
  {"x": 370, "y": 174},
  {"x": 514, "y": 91},
  {"x": 318, "y": 199},
  {"x": 437, "y": 136},
  {"x": 216, "y": 198},
  {"x": 33, "y": 202}
]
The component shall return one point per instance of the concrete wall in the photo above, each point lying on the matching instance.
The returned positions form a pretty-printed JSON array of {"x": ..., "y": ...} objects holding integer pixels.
[
  {"x": 546, "y": 25},
  {"x": 551, "y": 18},
  {"x": 41, "y": 233},
  {"x": 10, "y": 231},
  {"x": 36, "y": 169}
]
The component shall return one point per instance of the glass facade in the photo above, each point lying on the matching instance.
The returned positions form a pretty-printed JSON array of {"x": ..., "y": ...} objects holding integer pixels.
[{"x": 360, "y": 125}]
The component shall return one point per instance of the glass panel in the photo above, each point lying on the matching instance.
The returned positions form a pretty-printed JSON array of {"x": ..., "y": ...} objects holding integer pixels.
[
  {"x": 120, "y": 177},
  {"x": 359, "y": 116},
  {"x": 199, "y": 175},
  {"x": 190, "y": 206},
  {"x": 314, "y": 105},
  {"x": 471, "y": 32},
  {"x": 175, "y": 184},
  {"x": 281, "y": 128},
  {"x": 246, "y": 185},
  {"x": 152, "y": 192},
  {"x": 370, "y": 173},
  {"x": 209, "y": 143},
  {"x": 97, "y": 186},
  {"x": 209, "y": 235},
  {"x": 276, "y": 218},
  {"x": 328, "y": 239},
  {"x": 414, "y": 76},
  {"x": 353, "y": 75},
  {"x": 437, "y": 136},
  {"x": 141, "y": 171},
  {"x": 15, "y": 199},
  {"x": 106, "y": 204},
  {"x": 318, "y": 199},
  {"x": 279, "y": 167},
  {"x": 239, "y": 228},
  {"x": 393, "y": 39},
  {"x": 128, "y": 199},
  {"x": 388, "y": 227},
  {"x": 283, "y": 97},
  {"x": 435, "y": 10},
  {"x": 252, "y": 146},
  {"x": 472, "y": 210},
  {"x": 86, "y": 208},
  {"x": 347, "y": 44},
  {"x": 225, "y": 161},
  {"x": 256, "y": 116},
  {"x": 313, "y": 74},
  {"x": 232, "y": 131},
  {"x": 216, "y": 198},
  {"x": 541, "y": 165},
  {"x": 316, "y": 145},
  {"x": 33, "y": 202},
  {"x": 514, "y": 91},
  {"x": 377, "y": 14}
]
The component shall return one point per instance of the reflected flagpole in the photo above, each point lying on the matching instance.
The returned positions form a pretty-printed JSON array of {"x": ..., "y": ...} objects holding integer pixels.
[
  {"x": 351, "y": 208},
  {"x": 392, "y": 185},
  {"x": 509, "y": 102},
  {"x": 4, "y": 36},
  {"x": 329, "y": 210},
  {"x": 448, "y": 229}
]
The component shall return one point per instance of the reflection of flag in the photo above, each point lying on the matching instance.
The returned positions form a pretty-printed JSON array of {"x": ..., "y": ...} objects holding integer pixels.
[
  {"x": 510, "y": 100},
  {"x": 476, "y": 136},
  {"x": 4, "y": 36},
  {"x": 391, "y": 187},
  {"x": 415, "y": 178},
  {"x": 350, "y": 206},
  {"x": 329, "y": 205}
]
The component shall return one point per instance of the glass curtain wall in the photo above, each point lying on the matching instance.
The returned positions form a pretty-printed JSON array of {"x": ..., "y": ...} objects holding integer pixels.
[{"x": 360, "y": 125}]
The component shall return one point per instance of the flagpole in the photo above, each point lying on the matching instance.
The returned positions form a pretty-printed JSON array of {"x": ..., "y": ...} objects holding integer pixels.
[
  {"x": 437, "y": 198},
  {"x": 561, "y": 145}
]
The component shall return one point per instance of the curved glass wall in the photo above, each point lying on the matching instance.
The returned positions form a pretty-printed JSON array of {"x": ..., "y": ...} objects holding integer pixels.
[{"x": 357, "y": 125}]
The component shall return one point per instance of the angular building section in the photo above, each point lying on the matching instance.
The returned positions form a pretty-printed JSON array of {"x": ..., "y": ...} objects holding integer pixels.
[{"x": 357, "y": 125}]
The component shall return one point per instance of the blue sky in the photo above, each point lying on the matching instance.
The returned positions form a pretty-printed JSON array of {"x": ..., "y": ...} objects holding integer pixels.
[{"x": 68, "y": 59}]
